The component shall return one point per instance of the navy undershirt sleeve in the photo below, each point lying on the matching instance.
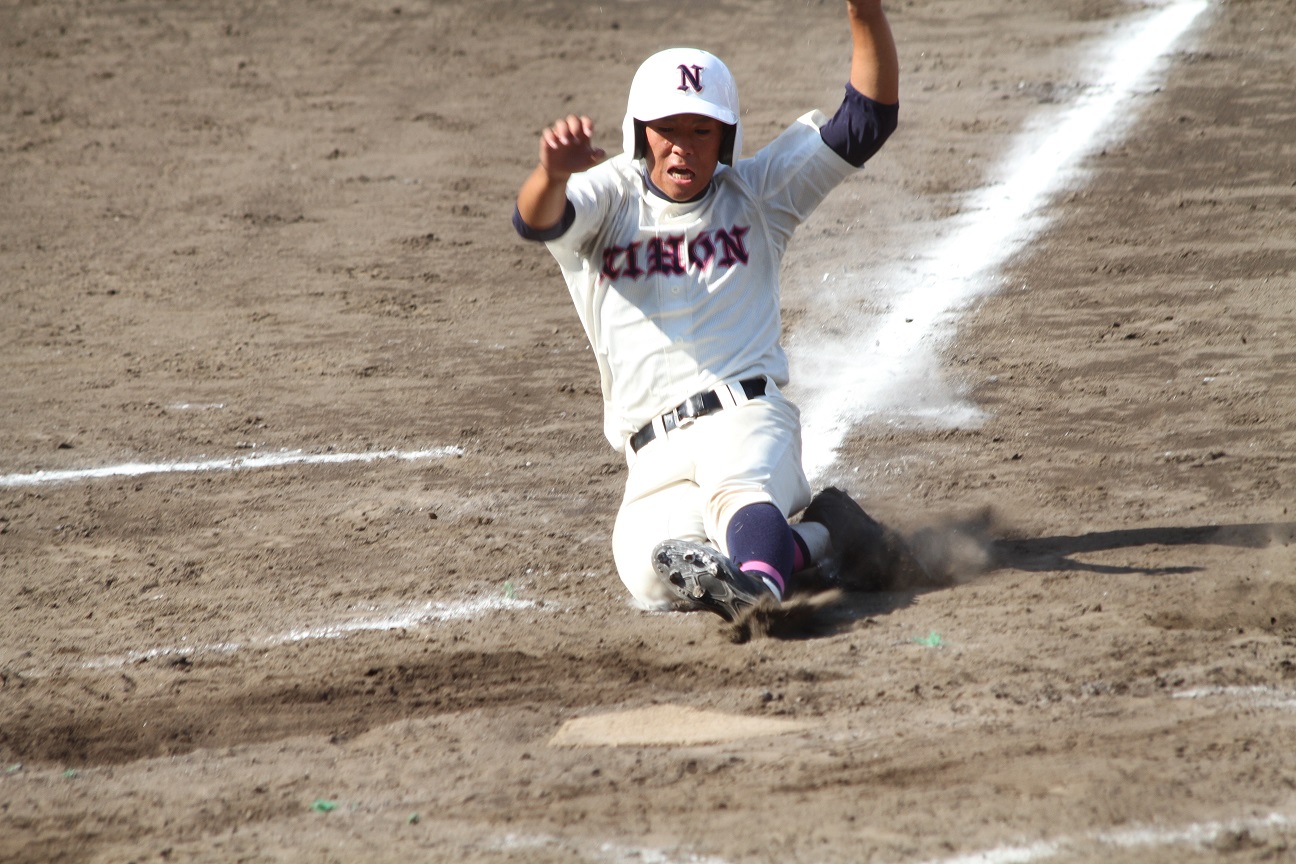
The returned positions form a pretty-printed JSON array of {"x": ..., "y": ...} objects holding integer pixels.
[
  {"x": 526, "y": 232},
  {"x": 860, "y": 127}
]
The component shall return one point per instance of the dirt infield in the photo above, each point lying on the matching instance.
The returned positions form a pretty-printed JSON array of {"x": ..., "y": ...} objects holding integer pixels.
[{"x": 232, "y": 229}]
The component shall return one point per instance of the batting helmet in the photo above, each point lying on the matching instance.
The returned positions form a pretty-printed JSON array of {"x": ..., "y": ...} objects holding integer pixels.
[{"x": 683, "y": 81}]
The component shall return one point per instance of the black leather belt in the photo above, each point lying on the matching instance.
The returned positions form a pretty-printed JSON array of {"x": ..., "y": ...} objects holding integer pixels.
[{"x": 697, "y": 405}]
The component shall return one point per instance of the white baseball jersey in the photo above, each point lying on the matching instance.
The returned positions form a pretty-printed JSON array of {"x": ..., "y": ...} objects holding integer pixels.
[{"x": 677, "y": 297}]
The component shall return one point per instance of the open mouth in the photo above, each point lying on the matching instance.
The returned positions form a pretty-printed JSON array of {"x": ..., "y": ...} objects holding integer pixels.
[{"x": 680, "y": 174}]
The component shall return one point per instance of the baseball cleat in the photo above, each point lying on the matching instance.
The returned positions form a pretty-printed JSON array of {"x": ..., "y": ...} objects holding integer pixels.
[
  {"x": 865, "y": 556},
  {"x": 702, "y": 578}
]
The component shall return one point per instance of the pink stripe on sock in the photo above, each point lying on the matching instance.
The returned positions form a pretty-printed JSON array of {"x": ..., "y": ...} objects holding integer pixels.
[{"x": 766, "y": 570}]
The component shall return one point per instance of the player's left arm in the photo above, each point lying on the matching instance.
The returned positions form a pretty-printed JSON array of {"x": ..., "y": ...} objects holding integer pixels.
[
  {"x": 875, "y": 62},
  {"x": 869, "y": 113}
]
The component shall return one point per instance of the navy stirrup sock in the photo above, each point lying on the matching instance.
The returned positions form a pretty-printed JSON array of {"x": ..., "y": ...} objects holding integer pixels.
[{"x": 761, "y": 541}]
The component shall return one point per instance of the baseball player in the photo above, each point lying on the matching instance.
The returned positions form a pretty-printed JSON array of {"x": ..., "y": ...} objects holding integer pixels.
[{"x": 671, "y": 253}]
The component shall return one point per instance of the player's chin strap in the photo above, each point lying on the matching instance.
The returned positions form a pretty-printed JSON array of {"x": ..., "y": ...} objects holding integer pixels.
[{"x": 725, "y": 395}]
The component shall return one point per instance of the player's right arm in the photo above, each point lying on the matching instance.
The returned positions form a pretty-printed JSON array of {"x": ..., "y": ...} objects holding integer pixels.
[{"x": 566, "y": 148}]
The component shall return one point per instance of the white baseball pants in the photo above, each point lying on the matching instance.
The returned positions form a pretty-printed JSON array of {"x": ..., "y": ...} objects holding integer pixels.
[{"x": 688, "y": 484}]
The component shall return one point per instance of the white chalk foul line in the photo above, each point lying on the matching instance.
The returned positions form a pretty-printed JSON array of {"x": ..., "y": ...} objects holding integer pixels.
[
  {"x": 400, "y": 618},
  {"x": 233, "y": 463},
  {"x": 1201, "y": 834},
  {"x": 893, "y": 369},
  {"x": 592, "y": 850},
  {"x": 1258, "y": 696}
]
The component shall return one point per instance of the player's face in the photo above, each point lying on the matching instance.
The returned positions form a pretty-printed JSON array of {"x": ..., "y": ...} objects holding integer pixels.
[{"x": 683, "y": 152}]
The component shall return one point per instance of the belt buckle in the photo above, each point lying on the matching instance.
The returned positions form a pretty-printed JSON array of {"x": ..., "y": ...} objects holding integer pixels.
[{"x": 691, "y": 413}]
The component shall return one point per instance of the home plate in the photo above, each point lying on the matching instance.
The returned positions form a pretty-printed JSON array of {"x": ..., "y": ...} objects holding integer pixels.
[{"x": 666, "y": 725}]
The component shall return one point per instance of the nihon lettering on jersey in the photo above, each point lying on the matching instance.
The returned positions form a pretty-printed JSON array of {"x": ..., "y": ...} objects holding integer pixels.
[{"x": 675, "y": 254}]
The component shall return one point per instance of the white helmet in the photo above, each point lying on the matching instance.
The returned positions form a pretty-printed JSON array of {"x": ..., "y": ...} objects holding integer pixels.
[{"x": 683, "y": 81}]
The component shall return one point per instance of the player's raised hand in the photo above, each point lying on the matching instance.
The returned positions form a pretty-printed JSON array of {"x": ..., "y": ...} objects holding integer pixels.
[
  {"x": 875, "y": 66},
  {"x": 567, "y": 146}
]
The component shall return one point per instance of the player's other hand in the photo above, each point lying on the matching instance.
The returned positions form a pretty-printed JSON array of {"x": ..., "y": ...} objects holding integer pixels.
[{"x": 567, "y": 147}]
